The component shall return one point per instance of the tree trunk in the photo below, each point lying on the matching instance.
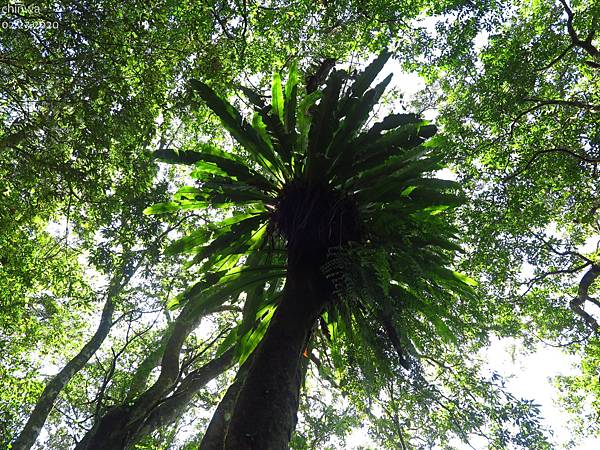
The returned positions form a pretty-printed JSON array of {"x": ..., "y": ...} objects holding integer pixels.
[
  {"x": 214, "y": 437},
  {"x": 264, "y": 415},
  {"x": 45, "y": 403},
  {"x": 120, "y": 424},
  {"x": 175, "y": 405}
]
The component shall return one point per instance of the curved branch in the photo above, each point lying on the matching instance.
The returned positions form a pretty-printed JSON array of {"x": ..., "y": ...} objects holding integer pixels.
[
  {"x": 531, "y": 283},
  {"x": 560, "y": 56},
  {"x": 536, "y": 155},
  {"x": 176, "y": 404},
  {"x": 585, "y": 44},
  {"x": 583, "y": 295},
  {"x": 112, "y": 431},
  {"x": 559, "y": 102},
  {"x": 128, "y": 268},
  {"x": 45, "y": 403}
]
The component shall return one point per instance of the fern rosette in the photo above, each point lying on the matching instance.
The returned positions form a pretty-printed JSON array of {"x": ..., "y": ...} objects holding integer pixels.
[{"x": 335, "y": 237}]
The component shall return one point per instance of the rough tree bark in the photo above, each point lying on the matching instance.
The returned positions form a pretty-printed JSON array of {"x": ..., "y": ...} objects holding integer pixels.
[
  {"x": 265, "y": 413},
  {"x": 214, "y": 437}
]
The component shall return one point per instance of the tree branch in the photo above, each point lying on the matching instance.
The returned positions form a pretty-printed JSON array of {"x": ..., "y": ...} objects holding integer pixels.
[
  {"x": 559, "y": 102},
  {"x": 175, "y": 405},
  {"x": 45, "y": 403},
  {"x": 560, "y": 56},
  {"x": 536, "y": 155},
  {"x": 214, "y": 436},
  {"x": 585, "y": 44},
  {"x": 118, "y": 424},
  {"x": 583, "y": 295}
]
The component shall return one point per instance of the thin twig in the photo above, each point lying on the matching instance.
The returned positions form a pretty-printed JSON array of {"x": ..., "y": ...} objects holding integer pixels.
[{"x": 536, "y": 155}]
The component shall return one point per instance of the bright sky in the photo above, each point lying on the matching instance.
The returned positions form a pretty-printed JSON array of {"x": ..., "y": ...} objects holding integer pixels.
[{"x": 530, "y": 375}]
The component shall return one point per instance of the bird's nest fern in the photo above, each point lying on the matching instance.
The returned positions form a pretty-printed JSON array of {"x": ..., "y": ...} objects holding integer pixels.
[{"x": 311, "y": 177}]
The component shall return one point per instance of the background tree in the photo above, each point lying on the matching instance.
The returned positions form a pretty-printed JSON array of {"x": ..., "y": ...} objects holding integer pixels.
[{"x": 518, "y": 87}]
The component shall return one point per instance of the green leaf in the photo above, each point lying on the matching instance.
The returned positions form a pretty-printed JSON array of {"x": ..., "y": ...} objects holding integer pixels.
[
  {"x": 235, "y": 168},
  {"x": 304, "y": 119},
  {"x": 270, "y": 127},
  {"x": 388, "y": 144},
  {"x": 277, "y": 97},
  {"x": 230, "y": 287},
  {"x": 382, "y": 152},
  {"x": 365, "y": 78},
  {"x": 430, "y": 197},
  {"x": 251, "y": 340},
  {"x": 228, "y": 342},
  {"x": 189, "y": 193},
  {"x": 323, "y": 124},
  {"x": 188, "y": 243},
  {"x": 354, "y": 120},
  {"x": 443, "y": 330},
  {"x": 239, "y": 129},
  {"x": 162, "y": 208},
  {"x": 455, "y": 278},
  {"x": 174, "y": 156},
  {"x": 204, "y": 168},
  {"x": 291, "y": 99},
  {"x": 406, "y": 192},
  {"x": 465, "y": 279},
  {"x": 259, "y": 125},
  {"x": 389, "y": 123},
  {"x": 254, "y": 98},
  {"x": 396, "y": 176},
  {"x": 173, "y": 303},
  {"x": 430, "y": 311},
  {"x": 237, "y": 235},
  {"x": 241, "y": 193}
]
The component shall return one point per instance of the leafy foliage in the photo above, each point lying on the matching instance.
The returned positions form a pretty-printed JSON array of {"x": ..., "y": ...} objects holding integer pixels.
[
  {"x": 363, "y": 194},
  {"x": 263, "y": 197},
  {"x": 82, "y": 104},
  {"x": 517, "y": 86}
]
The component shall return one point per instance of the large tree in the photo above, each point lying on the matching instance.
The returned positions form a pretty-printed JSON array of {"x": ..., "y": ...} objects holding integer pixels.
[
  {"x": 86, "y": 90},
  {"x": 331, "y": 222}
]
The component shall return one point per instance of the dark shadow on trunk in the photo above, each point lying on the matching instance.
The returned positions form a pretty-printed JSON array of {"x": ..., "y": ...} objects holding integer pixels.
[{"x": 265, "y": 413}]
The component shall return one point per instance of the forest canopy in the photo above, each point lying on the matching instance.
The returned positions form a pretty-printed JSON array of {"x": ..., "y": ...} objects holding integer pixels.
[{"x": 229, "y": 225}]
